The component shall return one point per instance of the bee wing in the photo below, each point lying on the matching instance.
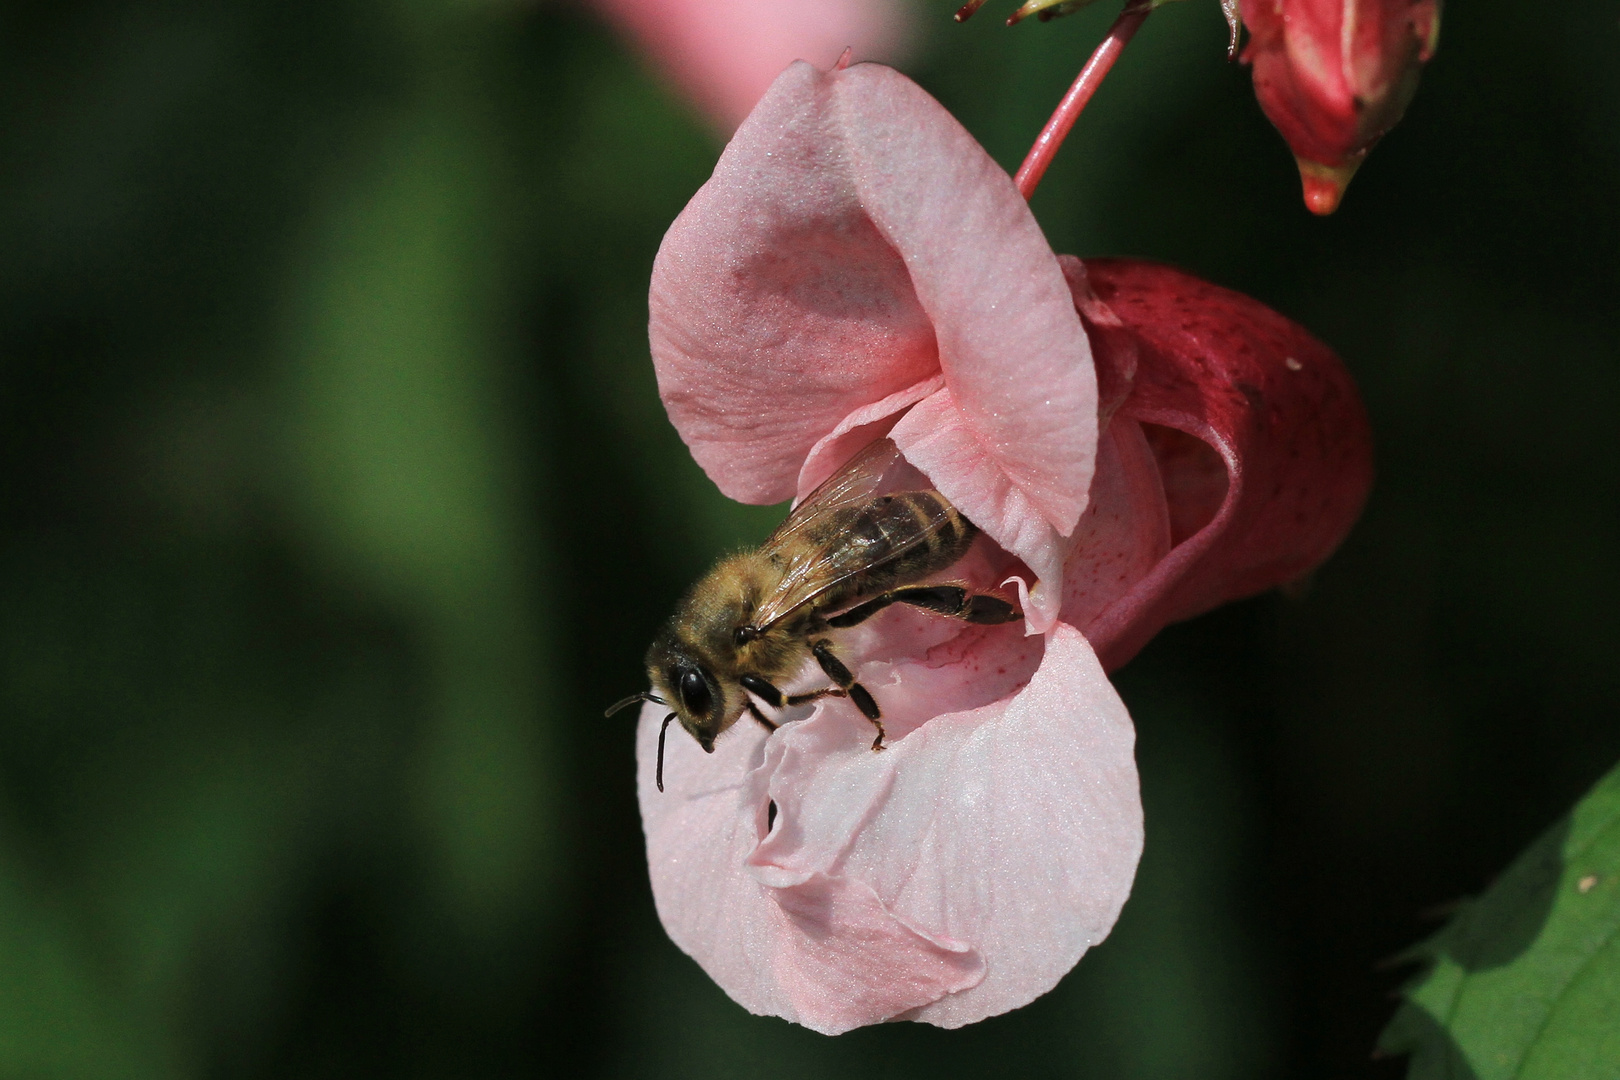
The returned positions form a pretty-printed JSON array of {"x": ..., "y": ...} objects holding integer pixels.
[
  {"x": 800, "y": 543},
  {"x": 854, "y": 485}
]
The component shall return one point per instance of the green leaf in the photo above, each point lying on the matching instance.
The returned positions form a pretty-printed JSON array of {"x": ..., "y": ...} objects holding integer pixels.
[{"x": 1524, "y": 982}]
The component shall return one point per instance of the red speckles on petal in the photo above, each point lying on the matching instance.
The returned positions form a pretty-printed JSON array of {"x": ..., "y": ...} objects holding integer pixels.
[{"x": 1125, "y": 532}]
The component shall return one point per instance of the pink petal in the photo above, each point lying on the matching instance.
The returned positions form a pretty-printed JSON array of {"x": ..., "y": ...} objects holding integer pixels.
[
  {"x": 853, "y": 243},
  {"x": 1113, "y": 345},
  {"x": 1022, "y": 393},
  {"x": 856, "y": 431},
  {"x": 1124, "y": 533},
  {"x": 843, "y": 957},
  {"x": 917, "y": 673},
  {"x": 1278, "y": 408},
  {"x": 955, "y": 875},
  {"x": 725, "y": 53},
  {"x": 820, "y": 950},
  {"x": 777, "y": 307}
]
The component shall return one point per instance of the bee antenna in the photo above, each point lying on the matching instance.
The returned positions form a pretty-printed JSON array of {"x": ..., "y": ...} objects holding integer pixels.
[
  {"x": 661, "y": 733},
  {"x": 632, "y": 699}
]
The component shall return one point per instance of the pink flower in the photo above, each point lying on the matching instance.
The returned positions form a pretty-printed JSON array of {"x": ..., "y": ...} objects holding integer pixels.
[
  {"x": 723, "y": 53},
  {"x": 857, "y": 268},
  {"x": 1334, "y": 76}
]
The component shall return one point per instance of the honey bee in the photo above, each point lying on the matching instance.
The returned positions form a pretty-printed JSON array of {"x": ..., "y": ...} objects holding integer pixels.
[{"x": 757, "y": 619}]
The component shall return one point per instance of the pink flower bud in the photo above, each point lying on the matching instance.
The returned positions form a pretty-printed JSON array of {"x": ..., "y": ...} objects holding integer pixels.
[
  {"x": 722, "y": 54},
  {"x": 1334, "y": 75}
]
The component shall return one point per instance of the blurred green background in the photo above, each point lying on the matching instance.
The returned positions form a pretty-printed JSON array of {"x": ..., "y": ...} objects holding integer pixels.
[{"x": 337, "y": 502}]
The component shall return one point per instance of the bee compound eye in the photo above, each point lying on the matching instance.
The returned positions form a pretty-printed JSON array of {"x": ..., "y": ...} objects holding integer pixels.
[{"x": 695, "y": 693}]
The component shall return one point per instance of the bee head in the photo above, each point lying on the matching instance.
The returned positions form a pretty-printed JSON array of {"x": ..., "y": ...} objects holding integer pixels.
[
  {"x": 690, "y": 689},
  {"x": 697, "y": 702}
]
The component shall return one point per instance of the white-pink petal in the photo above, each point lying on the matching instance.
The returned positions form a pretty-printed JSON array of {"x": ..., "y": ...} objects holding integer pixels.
[
  {"x": 953, "y": 876},
  {"x": 819, "y": 950}
]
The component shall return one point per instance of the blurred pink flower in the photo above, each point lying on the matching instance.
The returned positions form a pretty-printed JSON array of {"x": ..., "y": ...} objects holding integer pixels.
[
  {"x": 722, "y": 54},
  {"x": 1334, "y": 76},
  {"x": 1136, "y": 445}
]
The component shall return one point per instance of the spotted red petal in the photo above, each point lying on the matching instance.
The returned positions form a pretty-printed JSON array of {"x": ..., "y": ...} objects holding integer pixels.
[{"x": 1262, "y": 443}]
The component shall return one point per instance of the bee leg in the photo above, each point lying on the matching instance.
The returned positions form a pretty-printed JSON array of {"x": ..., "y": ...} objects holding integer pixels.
[
  {"x": 770, "y": 695},
  {"x": 815, "y": 695},
  {"x": 754, "y": 709},
  {"x": 861, "y": 612},
  {"x": 762, "y": 689},
  {"x": 987, "y": 609},
  {"x": 957, "y": 602},
  {"x": 838, "y": 673},
  {"x": 954, "y": 601}
]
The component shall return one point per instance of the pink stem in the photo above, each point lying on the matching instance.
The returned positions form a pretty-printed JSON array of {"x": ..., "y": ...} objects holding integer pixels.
[{"x": 1085, "y": 84}]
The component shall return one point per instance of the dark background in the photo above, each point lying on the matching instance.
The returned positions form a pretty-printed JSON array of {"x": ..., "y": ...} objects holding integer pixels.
[{"x": 336, "y": 502}]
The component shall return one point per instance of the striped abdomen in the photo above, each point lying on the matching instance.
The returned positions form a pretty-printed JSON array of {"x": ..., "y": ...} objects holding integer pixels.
[{"x": 892, "y": 541}]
